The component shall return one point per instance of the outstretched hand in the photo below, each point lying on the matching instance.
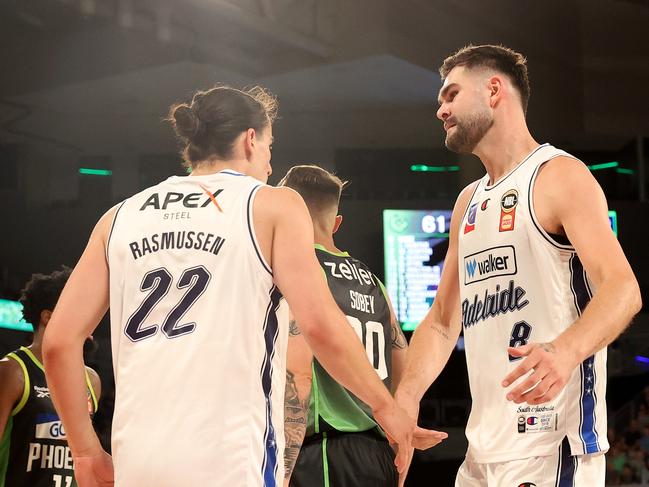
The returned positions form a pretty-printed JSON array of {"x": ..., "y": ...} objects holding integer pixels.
[
  {"x": 423, "y": 439},
  {"x": 398, "y": 427},
  {"x": 548, "y": 370}
]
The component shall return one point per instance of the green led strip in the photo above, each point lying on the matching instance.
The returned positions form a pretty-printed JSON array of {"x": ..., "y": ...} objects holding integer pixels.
[
  {"x": 95, "y": 172},
  {"x": 426, "y": 168}
]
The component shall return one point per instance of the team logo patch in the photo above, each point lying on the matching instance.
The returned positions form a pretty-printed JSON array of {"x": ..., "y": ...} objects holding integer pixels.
[
  {"x": 527, "y": 484},
  {"x": 521, "y": 424},
  {"x": 541, "y": 419},
  {"x": 483, "y": 206},
  {"x": 508, "y": 210},
  {"x": 493, "y": 262},
  {"x": 469, "y": 226}
]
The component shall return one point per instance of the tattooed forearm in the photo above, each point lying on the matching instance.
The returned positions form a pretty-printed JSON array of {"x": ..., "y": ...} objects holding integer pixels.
[
  {"x": 293, "y": 329},
  {"x": 296, "y": 408},
  {"x": 440, "y": 331},
  {"x": 398, "y": 339}
]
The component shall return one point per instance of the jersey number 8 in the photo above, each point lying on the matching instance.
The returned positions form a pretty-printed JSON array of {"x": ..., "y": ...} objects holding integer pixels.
[{"x": 520, "y": 336}]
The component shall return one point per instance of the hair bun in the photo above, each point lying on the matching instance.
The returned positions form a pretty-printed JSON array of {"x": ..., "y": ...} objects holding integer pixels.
[{"x": 186, "y": 122}]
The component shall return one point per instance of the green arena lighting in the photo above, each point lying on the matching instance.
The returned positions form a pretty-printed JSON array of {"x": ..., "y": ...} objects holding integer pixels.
[
  {"x": 95, "y": 172},
  {"x": 604, "y": 165},
  {"x": 11, "y": 316},
  {"x": 623, "y": 170},
  {"x": 427, "y": 168}
]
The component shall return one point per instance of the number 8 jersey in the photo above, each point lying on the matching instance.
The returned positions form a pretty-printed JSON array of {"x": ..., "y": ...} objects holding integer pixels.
[
  {"x": 198, "y": 338},
  {"x": 519, "y": 285},
  {"x": 360, "y": 295}
]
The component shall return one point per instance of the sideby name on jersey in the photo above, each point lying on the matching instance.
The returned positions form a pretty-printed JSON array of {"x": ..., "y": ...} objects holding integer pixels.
[{"x": 493, "y": 262}]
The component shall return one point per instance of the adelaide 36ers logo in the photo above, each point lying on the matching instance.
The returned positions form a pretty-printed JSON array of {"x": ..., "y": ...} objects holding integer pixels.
[{"x": 508, "y": 210}]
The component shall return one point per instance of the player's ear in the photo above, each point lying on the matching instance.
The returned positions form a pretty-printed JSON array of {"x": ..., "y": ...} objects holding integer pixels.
[
  {"x": 249, "y": 141},
  {"x": 46, "y": 314},
  {"x": 495, "y": 85},
  {"x": 339, "y": 220}
]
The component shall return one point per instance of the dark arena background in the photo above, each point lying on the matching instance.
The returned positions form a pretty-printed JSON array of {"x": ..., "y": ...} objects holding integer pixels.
[{"x": 85, "y": 86}]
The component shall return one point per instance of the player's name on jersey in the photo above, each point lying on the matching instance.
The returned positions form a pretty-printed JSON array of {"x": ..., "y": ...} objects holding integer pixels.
[
  {"x": 203, "y": 241},
  {"x": 361, "y": 302},
  {"x": 46, "y": 456},
  {"x": 493, "y": 304},
  {"x": 350, "y": 271}
]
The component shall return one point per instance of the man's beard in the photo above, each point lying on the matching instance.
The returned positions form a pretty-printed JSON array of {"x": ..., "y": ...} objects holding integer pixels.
[{"x": 469, "y": 132}]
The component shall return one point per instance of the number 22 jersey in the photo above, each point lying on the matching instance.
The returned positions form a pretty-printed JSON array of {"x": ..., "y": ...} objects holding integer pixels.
[
  {"x": 199, "y": 337},
  {"x": 520, "y": 285}
]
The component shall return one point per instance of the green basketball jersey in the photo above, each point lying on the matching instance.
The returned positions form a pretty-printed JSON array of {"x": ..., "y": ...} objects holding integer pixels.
[
  {"x": 361, "y": 296},
  {"x": 34, "y": 450}
]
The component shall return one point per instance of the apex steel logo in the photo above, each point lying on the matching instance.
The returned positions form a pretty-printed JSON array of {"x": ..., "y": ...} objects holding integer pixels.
[{"x": 493, "y": 262}]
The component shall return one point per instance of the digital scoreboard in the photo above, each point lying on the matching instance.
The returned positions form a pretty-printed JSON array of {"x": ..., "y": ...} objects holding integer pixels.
[{"x": 415, "y": 245}]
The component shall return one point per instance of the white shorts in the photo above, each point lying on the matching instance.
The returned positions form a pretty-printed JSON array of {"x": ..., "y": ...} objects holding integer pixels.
[{"x": 558, "y": 470}]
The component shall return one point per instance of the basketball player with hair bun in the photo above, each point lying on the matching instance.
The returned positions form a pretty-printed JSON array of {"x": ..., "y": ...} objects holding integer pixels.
[{"x": 195, "y": 270}]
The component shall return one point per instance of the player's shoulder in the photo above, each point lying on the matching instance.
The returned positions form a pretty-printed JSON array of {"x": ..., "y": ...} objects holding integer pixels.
[
  {"x": 11, "y": 374},
  {"x": 92, "y": 373},
  {"x": 465, "y": 195},
  {"x": 279, "y": 199},
  {"x": 564, "y": 164},
  {"x": 563, "y": 175}
]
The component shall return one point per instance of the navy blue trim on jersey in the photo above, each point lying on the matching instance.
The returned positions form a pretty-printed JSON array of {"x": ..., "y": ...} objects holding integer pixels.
[
  {"x": 537, "y": 225},
  {"x": 271, "y": 331},
  {"x": 489, "y": 188},
  {"x": 251, "y": 231},
  {"x": 475, "y": 190},
  {"x": 566, "y": 466},
  {"x": 587, "y": 370},
  {"x": 112, "y": 226},
  {"x": 231, "y": 172}
]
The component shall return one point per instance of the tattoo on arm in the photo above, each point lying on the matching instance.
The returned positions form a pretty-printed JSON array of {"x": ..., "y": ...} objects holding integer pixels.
[
  {"x": 398, "y": 339},
  {"x": 296, "y": 409},
  {"x": 293, "y": 329},
  {"x": 440, "y": 331},
  {"x": 548, "y": 347}
]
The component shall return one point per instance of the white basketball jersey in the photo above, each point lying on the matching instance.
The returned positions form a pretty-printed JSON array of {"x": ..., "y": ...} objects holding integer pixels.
[
  {"x": 520, "y": 285},
  {"x": 199, "y": 337}
]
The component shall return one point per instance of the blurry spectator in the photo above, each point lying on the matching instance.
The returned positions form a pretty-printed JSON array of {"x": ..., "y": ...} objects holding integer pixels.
[
  {"x": 644, "y": 398},
  {"x": 644, "y": 474},
  {"x": 644, "y": 441},
  {"x": 636, "y": 462},
  {"x": 643, "y": 415},
  {"x": 628, "y": 476},
  {"x": 633, "y": 433},
  {"x": 617, "y": 457}
]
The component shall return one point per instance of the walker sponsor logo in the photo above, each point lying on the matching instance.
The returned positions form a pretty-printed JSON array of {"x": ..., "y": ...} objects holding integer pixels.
[{"x": 493, "y": 262}]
